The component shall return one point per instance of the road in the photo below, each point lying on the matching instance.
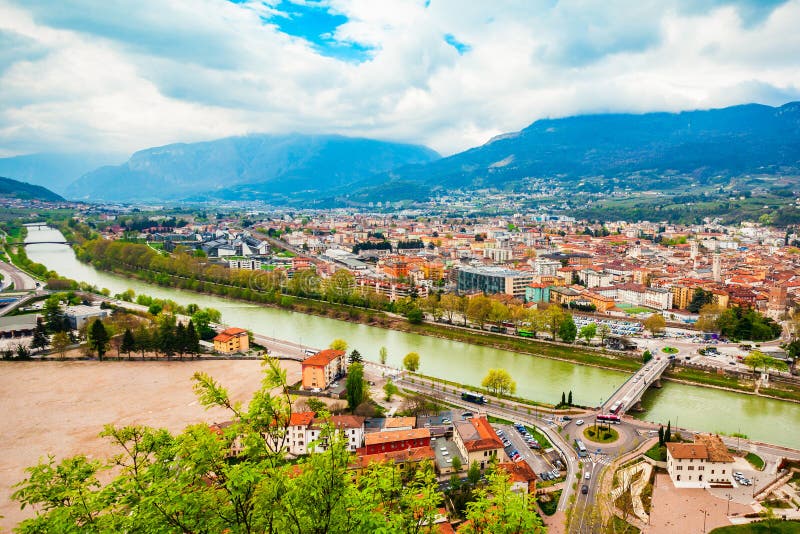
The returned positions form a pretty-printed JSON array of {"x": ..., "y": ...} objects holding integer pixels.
[
  {"x": 22, "y": 280},
  {"x": 631, "y": 391},
  {"x": 568, "y": 454}
]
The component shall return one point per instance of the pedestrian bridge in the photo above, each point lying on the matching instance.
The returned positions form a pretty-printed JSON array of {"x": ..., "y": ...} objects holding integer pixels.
[{"x": 630, "y": 393}]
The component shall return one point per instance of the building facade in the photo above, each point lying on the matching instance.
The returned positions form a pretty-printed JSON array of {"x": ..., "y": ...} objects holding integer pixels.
[{"x": 323, "y": 368}]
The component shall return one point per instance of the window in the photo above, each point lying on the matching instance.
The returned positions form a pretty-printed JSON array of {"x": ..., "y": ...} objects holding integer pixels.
[
  {"x": 691, "y": 468},
  {"x": 679, "y": 468},
  {"x": 701, "y": 468},
  {"x": 712, "y": 471}
]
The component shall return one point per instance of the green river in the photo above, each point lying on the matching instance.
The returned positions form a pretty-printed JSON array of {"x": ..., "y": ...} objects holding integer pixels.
[{"x": 537, "y": 378}]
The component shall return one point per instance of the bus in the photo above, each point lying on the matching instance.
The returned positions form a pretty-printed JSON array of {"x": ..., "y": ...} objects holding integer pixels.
[
  {"x": 580, "y": 448},
  {"x": 469, "y": 396},
  {"x": 524, "y": 333},
  {"x": 609, "y": 419},
  {"x": 615, "y": 408}
]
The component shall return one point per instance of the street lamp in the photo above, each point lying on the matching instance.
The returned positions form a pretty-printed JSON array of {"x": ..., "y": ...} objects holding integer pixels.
[
  {"x": 728, "y": 512},
  {"x": 705, "y": 514}
]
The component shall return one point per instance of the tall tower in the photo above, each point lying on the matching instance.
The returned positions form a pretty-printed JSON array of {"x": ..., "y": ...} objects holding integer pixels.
[
  {"x": 694, "y": 249},
  {"x": 716, "y": 271}
]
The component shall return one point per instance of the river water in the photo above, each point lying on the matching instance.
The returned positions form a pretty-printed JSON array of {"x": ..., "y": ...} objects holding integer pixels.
[{"x": 537, "y": 378}]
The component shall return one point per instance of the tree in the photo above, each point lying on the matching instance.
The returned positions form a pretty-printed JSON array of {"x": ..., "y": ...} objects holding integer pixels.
[
  {"x": 414, "y": 315},
  {"x": 128, "y": 342},
  {"x": 60, "y": 343},
  {"x": 179, "y": 341},
  {"x": 661, "y": 435},
  {"x": 316, "y": 405},
  {"x": 54, "y": 315},
  {"x": 709, "y": 315},
  {"x": 390, "y": 389},
  {"x": 604, "y": 330},
  {"x": 668, "y": 432},
  {"x": 655, "y": 323},
  {"x": 338, "y": 344},
  {"x": 202, "y": 322},
  {"x": 588, "y": 332},
  {"x": 567, "y": 330},
  {"x": 563, "y": 399},
  {"x": 339, "y": 287},
  {"x": 98, "y": 338},
  {"x": 451, "y": 305},
  {"x": 456, "y": 464},
  {"x": 356, "y": 386},
  {"x": 499, "y": 510},
  {"x": 192, "y": 340},
  {"x": 700, "y": 298},
  {"x": 355, "y": 357},
  {"x": 383, "y": 354},
  {"x": 40, "y": 339},
  {"x": 478, "y": 309},
  {"x": 569, "y": 398},
  {"x": 499, "y": 381},
  {"x": 474, "y": 473},
  {"x": 411, "y": 361},
  {"x": 552, "y": 318}
]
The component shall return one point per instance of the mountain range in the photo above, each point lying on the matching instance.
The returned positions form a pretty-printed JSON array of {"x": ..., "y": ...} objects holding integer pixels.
[
  {"x": 655, "y": 151},
  {"x": 26, "y": 191},
  {"x": 264, "y": 167}
]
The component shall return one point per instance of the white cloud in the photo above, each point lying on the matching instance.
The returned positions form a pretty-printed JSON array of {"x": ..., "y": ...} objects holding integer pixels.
[{"x": 129, "y": 75}]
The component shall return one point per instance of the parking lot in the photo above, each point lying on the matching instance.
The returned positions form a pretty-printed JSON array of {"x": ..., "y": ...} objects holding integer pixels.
[{"x": 535, "y": 459}]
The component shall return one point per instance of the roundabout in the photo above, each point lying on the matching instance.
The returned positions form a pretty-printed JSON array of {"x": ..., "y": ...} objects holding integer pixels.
[{"x": 601, "y": 435}]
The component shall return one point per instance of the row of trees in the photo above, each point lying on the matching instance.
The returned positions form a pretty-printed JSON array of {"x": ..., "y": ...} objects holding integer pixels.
[
  {"x": 165, "y": 336},
  {"x": 738, "y": 323}
]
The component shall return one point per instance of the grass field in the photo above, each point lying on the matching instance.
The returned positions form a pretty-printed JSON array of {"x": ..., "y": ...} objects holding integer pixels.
[{"x": 762, "y": 527}]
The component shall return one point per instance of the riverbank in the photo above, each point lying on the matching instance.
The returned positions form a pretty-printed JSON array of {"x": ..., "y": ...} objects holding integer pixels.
[{"x": 587, "y": 356}]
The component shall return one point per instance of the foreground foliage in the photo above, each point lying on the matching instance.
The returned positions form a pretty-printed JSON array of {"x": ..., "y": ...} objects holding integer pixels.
[{"x": 236, "y": 478}]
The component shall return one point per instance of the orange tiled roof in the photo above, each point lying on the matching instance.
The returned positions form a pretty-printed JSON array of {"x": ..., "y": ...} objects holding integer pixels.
[
  {"x": 376, "y": 438},
  {"x": 685, "y": 451},
  {"x": 323, "y": 357}
]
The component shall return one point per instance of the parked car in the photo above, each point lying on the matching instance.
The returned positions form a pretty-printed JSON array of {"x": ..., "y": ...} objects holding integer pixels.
[
  {"x": 579, "y": 422},
  {"x": 584, "y": 489}
]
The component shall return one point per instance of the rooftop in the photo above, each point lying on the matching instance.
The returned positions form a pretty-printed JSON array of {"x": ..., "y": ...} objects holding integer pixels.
[
  {"x": 323, "y": 357},
  {"x": 685, "y": 451},
  {"x": 477, "y": 434},
  {"x": 389, "y": 436}
]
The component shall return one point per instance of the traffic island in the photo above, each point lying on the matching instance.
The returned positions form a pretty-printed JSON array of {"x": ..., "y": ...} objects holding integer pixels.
[{"x": 600, "y": 434}]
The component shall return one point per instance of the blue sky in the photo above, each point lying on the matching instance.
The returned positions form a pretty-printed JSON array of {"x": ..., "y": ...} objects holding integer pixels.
[{"x": 122, "y": 75}]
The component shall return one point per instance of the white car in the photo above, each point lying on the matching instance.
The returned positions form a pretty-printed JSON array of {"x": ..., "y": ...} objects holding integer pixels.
[
  {"x": 588, "y": 475},
  {"x": 579, "y": 422}
]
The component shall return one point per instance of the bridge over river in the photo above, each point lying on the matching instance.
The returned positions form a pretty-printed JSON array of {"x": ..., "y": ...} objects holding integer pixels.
[{"x": 629, "y": 394}]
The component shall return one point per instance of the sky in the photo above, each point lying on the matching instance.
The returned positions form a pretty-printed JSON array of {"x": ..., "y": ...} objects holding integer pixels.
[{"x": 119, "y": 76}]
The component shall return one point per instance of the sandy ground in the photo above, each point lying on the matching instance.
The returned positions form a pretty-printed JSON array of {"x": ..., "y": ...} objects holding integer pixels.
[
  {"x": 681, "y": 510},
  {"x": 60, "y": 407}
]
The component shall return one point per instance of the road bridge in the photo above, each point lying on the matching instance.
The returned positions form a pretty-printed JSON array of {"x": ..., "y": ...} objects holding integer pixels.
[{"x": 629, "y": 394}]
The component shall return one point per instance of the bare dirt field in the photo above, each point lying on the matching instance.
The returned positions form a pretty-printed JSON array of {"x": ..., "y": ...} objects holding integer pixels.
[{"x": 60, "y": 407}]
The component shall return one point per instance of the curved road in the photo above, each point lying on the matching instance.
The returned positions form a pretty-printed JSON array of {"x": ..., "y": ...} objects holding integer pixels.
[{"x": 22, "y": 280}]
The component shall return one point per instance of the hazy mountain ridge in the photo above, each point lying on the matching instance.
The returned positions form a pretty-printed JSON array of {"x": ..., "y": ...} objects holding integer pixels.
[
  {"x": 26, "y": 191},
  {"x": 52, "y": 170},
  {"x": 741, "y": 139},
  {"x": 258, "y": 166}
]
